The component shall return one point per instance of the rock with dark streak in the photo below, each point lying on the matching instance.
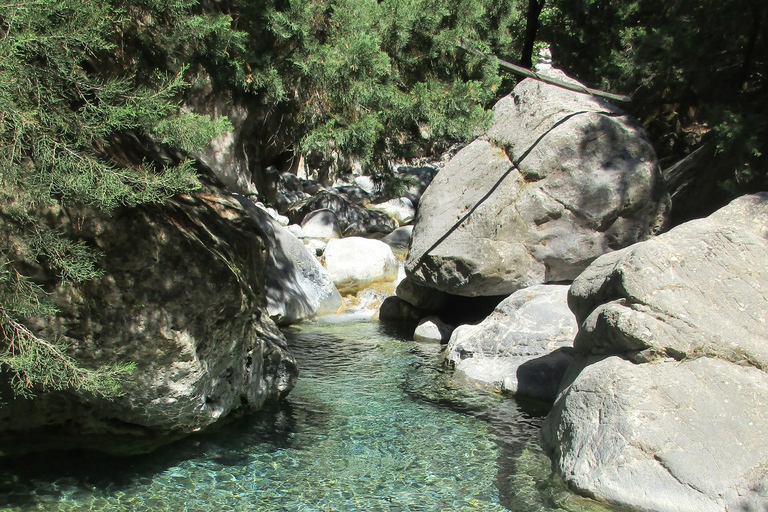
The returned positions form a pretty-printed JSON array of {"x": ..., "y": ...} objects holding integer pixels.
[{"x": 559, "y": 179}]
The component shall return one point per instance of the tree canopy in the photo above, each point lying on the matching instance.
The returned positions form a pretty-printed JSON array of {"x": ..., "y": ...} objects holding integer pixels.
[
  {"x": 68, "y": 91},
  {"x": 697, "y": 72}
]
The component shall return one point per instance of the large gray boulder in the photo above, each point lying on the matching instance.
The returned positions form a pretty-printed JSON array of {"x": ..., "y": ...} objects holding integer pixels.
[
  {"x": 687, "y": 436},
  {"x": 699, "y": 290},
  {"x": 297, "y": 286},
  {"x": 667, "y": 408},
  {"x": 182, "y": 296},
  {"x": 524, "y": 347},
  {"x": 559, "y": 179}
]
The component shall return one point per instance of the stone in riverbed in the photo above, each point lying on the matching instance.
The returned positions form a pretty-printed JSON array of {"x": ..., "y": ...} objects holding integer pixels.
[
  {"x": 355, "y": 263},
  {"x": 426, "y": 299},
  {"x": 432, "y": 328},
  {"x": 321, "y": 224},
  {"x": 297, "y": 286},
  {"x": 396, "y": 310},
  {"x": 400, "y": 209},
  {"x": 353, "y": 219},
  {"x": 668, "y": 405},
  {"x": 398, "y": 241},
  {"x": 523, "y": 347},
  {"x": 700, "y": 289},
  {"x": 687, "y": 436}
]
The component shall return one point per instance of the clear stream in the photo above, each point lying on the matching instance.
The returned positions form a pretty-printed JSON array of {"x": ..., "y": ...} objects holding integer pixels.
[{"x": 373, "y": 425}]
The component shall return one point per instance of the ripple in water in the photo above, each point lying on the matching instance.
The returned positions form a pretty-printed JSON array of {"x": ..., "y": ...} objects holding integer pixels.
[{"x": 373, "y": 425}]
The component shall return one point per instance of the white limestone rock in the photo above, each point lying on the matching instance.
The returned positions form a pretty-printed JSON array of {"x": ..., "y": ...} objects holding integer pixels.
[{"x": 355, "y": 263}]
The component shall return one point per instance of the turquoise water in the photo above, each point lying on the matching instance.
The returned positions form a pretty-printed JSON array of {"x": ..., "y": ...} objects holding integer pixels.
[{"x": 373, "y": 425}]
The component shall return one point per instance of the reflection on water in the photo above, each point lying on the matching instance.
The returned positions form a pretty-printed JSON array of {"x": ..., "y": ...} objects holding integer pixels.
[{"x": 373, "y": 425}]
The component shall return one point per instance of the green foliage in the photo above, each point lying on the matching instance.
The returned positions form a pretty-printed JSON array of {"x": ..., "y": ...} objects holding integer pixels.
[
  {"x": 36, "y": 363},
  {"x": 372, "y": 80},
  {"x": 696, "y": 68},
  {"x": 68, "y": 91}
]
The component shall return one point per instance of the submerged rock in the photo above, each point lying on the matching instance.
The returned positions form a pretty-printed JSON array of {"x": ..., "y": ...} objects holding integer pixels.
[
  {"x": 668, "y": 406},
  {"x": 559, "y": 179},
  {"x": 524, "y": 347},
  {"x": 182, "y": 296}
]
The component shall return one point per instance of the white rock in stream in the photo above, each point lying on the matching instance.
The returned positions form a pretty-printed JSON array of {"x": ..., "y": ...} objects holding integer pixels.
[{"x": 355, "y": 263}]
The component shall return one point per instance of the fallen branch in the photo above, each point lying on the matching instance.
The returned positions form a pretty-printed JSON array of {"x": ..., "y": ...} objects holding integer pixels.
[{"x": 543, "y": 78}]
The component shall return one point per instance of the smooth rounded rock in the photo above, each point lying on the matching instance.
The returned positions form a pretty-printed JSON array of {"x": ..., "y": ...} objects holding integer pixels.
[
  {"x": 355, "y": 263},
  {"x": 321, "y": 224},
  {"x": 433, "y": 329},
  {"x": 524, "y": 347}
]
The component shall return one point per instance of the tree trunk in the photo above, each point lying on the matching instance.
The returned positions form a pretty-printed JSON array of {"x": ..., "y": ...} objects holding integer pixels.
[
  {"x": 531, "y": 29},
  {"x": 749, "y": 50}
]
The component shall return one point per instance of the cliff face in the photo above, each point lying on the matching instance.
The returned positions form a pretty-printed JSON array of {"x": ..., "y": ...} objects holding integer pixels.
[{"x": 182, "y": 296}]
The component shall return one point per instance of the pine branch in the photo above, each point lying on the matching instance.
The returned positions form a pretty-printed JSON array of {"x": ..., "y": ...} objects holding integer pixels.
[{"x": 37, "y": 364}]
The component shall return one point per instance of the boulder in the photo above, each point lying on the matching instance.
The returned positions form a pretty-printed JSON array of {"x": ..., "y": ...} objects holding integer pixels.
[
  {"x": 698, "y": 290},
  {"x": 321, "y": 224},
  {"x": 559, "y": 179},
  {"x": 401, "y": 209},
  {"x": 667, "y": 406},
  {"x": 297, "y": 286},
  {"x": 426, "y": 299},
  {"x": 355, "y": 263},
  {"x": 398, "y": 241},
  {"x": 524, "y": 347},
  {"x": 687, "y": 436},
  {"x": 395, "y": 310},
  {"x": 353, "y": 219},
  {"x": 432, "y": 328},
  {"x": 182, "y": 296}
]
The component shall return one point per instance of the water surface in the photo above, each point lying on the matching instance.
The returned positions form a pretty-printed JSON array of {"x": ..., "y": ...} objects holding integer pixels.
[{"x": 373, "y": 425}]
